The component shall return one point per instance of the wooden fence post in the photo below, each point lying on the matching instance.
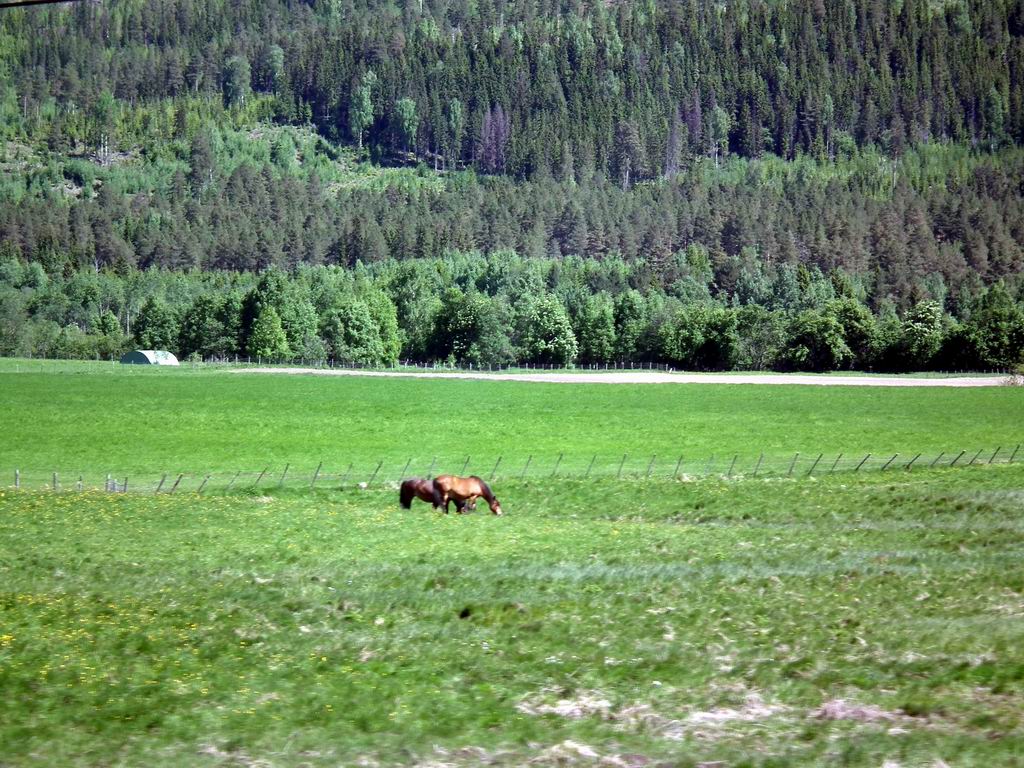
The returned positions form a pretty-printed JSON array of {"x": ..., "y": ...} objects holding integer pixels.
[
  {"x": 679, "y": 463},
  {"x": 175, "y": 486},
  {"x": 890, "y": 461},
  {"x": 911, "y": 463},
  {"x": 558, "y": 463},
  {"x": 124, "y": 489},
  {"x": 795, "y": 457},
  {"x": 954, "y": 461},
  {"x": 233, "y": 481},
  {"x": 56, "y": 483},
  {"x": 374, "y": 475},
  {"x": 496, "y": 465},
  {"x": 650, "y": 466},
  {"x": 108, "y": 488},
  {"x": 815, "y": 464},
  {"x": 405, "y": 469},
  {"x": 994, "y": 454},
  {"x": 260, "y": 477},
  {"x": 464, "y": 465},
  {"x": 79, "y": 483},
  {"x": 868, "y": 456},
  {"x": 936, "y": 459},
  {"x": 759, "y": 460},
  {"x": 430, "y": 472},
  {"x": 621, "y": 465},
  {"x": 201, "y": 485},
  {"x": 590, "y": 467},
  {"x": 526, "y": 466},
  {"x": 316, "y": 474},
  {"x": 283, "y": 475},
  {"x": 17, "y": 479},
  {"x": 835, "y": 463},
  {"x": 161, "y": 483},
  {"x": 344, "y": 478},
  {"x": 1014, "y": 455},
  {"x": 975, "y": 457},
  {"x": 732, "y": 465}
]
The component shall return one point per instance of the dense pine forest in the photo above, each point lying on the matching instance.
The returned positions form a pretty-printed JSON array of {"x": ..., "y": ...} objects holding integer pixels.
[{"x": 815, "y": 184}]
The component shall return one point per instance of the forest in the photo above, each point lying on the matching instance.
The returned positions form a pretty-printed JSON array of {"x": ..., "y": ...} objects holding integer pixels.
[{"x": 820, "y": 184}]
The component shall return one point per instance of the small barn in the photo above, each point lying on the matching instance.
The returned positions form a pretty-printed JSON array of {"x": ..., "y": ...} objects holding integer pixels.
[{"x": 149, "y": 357}]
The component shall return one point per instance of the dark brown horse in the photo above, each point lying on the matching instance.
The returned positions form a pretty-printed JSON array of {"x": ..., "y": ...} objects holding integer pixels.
[
  {"x": 464, "y": 490},
  {"x": 421, "y": 488}
]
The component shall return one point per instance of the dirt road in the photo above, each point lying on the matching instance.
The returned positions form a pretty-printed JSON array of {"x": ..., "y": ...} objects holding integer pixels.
[{"x": 659, "y": 377}]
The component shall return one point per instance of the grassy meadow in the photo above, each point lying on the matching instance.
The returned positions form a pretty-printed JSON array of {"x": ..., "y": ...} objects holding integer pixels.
[
  {"x": 143, "y": 422},
  {"x": 844, "y": 621}
]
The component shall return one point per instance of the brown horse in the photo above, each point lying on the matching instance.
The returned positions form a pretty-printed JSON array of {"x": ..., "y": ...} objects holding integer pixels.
[
  {"x": 448, "y": 488},
  {"x": 421, "y": 488}
]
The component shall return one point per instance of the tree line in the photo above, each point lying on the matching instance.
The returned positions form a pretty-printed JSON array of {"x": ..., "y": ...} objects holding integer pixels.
[{"x": 469, "y": 309}]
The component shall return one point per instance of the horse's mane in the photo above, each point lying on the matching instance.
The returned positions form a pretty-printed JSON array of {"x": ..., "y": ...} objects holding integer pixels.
[{"x": 487, "y": 494}]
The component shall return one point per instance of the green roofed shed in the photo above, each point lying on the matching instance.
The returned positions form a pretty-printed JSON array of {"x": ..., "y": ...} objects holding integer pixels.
[{"x": 149, "y": 357}]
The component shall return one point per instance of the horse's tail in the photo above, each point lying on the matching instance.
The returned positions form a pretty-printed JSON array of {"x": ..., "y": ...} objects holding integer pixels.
[
  {"x": 438, "y": 493},
  {"x": 406, "y": 495}
]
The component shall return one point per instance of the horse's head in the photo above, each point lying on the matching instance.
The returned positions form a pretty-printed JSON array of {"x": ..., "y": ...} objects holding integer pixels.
[{"x": 496, "y": 506}]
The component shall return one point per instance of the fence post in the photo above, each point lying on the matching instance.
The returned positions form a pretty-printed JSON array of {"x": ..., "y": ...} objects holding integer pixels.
[
  {"x": 911, "y": 463},
  {"x": 732, "y": 465},
  {"x": 679, "y": 463},
  {"x": 651, "y": 465},
  {"x": 260, "y": 477},
  {"x": 590, "y": 467},
  {"x": 175, "y": 486},
  {"x": 1014, "y": 455},
  {"x": 558, "y": 463},
  {"x": 125, "y": 488},
  {"x": 621, "y": 464},
  {"x": 890, "y": 461},
  {"x": 17, "y": 479},
  {"x": 464, "y": 465},
  {"x": 316, "y": 474},
  {"x": 283, "y": 475},
  {"x": 160, "y": 484},
  {"x": 707, "y": 467},
  {"x": 198, "y": 490},
  {"x": 994, "y": 454},
  {"x": 79, "y": 483},
  {"x": 954, "y": 461},
  {"x": 795, "y": 457},
  {"x": 405, "y": 469},
  {"x": 496, "y": 465},
  {"x": 344, "y": 479},
  {"x": 759, "y": 460},
  {"x": 835, "y": 463},
  {"x": 56, "y": 483},
  {"x": 936, "y": 459},
  {"x": 868, "y": 456},
  {"x": 233, "y": 481},
  {"x": 374, "y": 475},
  {"x": 975, "y": 458},
  {"x": 107, "y": 487},
  {"x": 815, "y": 464},
  {"x": 430, "y": 472},
  {"x": 526, "y": 466}
]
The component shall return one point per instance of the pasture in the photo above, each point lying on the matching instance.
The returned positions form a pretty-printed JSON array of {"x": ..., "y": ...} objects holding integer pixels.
[
  {"x": 142, "y": 422},
  {"x": 847, "y": 619}
]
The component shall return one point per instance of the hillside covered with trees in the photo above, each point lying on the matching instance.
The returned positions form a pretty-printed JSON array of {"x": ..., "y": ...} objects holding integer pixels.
[{"x": 706, "y": 184}]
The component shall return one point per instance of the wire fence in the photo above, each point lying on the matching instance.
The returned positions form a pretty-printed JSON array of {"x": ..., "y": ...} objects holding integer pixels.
[
  {"x": 387, "y": 473},
  {"x": 51, "y": 365}
]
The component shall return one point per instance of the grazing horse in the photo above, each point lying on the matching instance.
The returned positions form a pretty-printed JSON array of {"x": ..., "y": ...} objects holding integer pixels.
[
  {"x": 421, "y": 488},
  {"x": 448, "y": 488}
]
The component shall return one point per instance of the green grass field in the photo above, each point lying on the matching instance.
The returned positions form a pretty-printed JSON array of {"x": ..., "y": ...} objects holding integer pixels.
[
  {"x": 143, "y": 422},
  {"x": 846, "y": 621}
]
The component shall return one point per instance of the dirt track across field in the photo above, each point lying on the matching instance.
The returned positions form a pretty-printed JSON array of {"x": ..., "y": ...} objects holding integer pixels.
[{"x": 660, "y": 377}]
